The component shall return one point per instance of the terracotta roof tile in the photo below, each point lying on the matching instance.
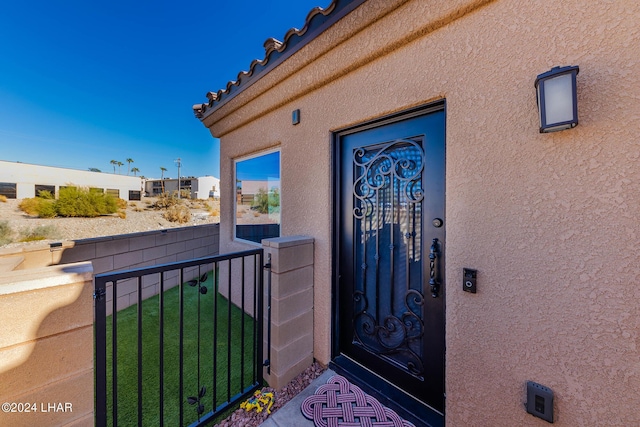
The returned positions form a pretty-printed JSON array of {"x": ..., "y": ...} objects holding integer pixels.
[{"x": 276, "y": 52}]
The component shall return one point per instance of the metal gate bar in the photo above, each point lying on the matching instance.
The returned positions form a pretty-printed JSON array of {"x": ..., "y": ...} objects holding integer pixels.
[{"x": 186, "y": 273}]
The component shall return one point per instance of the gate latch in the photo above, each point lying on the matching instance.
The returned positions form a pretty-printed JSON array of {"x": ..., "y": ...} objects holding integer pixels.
[{"x": 99, "y": 294}]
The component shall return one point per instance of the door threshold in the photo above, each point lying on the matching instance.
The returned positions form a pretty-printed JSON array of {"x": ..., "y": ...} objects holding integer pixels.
[{"x": 405, "y": 405}]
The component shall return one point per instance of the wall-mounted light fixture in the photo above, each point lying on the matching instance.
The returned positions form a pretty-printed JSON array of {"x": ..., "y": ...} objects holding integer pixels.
[{"x": 557, "y": 99}]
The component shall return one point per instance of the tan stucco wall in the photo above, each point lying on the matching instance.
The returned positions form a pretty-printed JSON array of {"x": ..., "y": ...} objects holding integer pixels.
[
  {"x": 550, "y": 221},
  {"x": 46, "y": 346}
]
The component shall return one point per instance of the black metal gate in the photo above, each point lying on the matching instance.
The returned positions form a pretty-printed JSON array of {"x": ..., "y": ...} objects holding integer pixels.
[{"x": 188, "y": 346}]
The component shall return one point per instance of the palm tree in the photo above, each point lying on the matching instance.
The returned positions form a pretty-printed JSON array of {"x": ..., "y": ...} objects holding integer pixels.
[
  {"x": 129, "y": 161},
  {"x": 162, "y": 171},
  {"x": 135, "y": 171},
  {"x": 119, "y": 164},
  {"x": 114, "y": 163}
]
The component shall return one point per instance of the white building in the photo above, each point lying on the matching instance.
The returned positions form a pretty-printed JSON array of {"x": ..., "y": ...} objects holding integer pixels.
[
  {"x": 205, "y": 187},
  {"x": 23, "y": 180},
  {"x": 202, "y": 187}
]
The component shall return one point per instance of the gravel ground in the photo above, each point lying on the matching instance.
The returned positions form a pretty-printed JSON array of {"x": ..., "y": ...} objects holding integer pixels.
[
  {"x": 139, "y": 217},
  {"x": 242, "y": 418}
]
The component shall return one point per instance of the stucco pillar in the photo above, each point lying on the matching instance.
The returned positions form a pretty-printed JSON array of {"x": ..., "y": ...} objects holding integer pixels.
[{"x": 291, "y": 307}]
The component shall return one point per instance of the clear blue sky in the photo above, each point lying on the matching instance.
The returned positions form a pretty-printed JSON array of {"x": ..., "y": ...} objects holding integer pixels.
[{"x": 84, "y": 82}]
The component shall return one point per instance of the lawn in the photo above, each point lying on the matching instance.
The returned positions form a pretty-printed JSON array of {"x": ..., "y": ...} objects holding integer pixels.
[{"x": 220, "y": 328}]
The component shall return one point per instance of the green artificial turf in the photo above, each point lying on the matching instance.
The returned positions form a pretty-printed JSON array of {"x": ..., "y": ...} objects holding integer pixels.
[{"x": 127, "y": 356}]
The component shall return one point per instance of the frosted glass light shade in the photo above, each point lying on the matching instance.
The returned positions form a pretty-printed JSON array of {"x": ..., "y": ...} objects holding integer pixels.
[{"x": 557, "y": 99}]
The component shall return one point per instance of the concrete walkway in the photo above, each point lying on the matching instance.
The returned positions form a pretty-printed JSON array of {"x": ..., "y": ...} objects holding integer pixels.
[{"x": 290, "y": 414}]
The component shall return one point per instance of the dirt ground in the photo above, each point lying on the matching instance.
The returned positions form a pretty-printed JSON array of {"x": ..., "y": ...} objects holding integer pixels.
[{"x": 140, "y": 216}]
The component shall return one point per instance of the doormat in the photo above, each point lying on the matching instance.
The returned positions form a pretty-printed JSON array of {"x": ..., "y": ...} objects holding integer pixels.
[{"x": 339, "y": 403}]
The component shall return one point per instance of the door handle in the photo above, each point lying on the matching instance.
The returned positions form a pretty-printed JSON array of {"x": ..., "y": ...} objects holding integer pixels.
[{"x": 433, "y": 256}]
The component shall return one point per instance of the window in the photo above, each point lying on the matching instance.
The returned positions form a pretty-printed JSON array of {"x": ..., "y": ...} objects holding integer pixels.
[
  {"x": 113, "y": 192},
  {"x": 8, "y": 189},
  {"x": 258, "y": 197},
  {"x": 134, "y": 195}
]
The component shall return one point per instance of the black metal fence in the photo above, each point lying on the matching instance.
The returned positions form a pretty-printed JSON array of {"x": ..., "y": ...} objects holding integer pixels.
[{"x": 190, "y": 347}]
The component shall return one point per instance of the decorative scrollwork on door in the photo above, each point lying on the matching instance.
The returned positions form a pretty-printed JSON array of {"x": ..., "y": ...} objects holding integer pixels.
[{"x": 387, "y": 212}]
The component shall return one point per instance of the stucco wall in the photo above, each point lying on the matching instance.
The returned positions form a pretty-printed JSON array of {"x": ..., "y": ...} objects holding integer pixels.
[
  {"x": 46, "y": 356},
  {"x": 549, "y": 221}
]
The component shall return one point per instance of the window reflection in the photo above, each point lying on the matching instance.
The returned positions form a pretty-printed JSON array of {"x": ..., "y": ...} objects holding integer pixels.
[{"x": 258, "y": 197}]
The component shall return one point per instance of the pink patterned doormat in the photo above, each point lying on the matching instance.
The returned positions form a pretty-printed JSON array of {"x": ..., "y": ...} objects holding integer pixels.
[{"x": 339, "y": 403}]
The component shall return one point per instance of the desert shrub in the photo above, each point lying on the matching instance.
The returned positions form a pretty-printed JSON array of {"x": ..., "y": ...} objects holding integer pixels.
[
  {"x": 263, "y": 201},
  {"x": 122, "y": 214},
  {"x": 29, "y": 206},
  {"x": 121, "y": 203},
  {"x": 32, "y": 206},
  {"x": 40, "y": 232},
  {"x": 6, "y": 233},
  {"x": 177, "y": 213},
  {"x": 79, "y": 202},
  {"x": 198, "y": 204},
  {"x": 214, "y": 212},
  {"x": 185, "y": 194},
  {"x": 166, "y": 200},
  {"x": 46, "y": 194},
  {"x": 47, "y": 209},
  {"x": 3, "y": 198}
]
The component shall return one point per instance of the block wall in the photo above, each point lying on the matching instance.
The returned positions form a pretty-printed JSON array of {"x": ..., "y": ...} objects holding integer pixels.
[
  {"x": 127, "y": 251},
  {"x": 291, "y": 307}
]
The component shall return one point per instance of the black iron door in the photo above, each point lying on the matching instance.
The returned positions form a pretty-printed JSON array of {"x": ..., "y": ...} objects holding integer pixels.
[{"x": 390, "y": 245}]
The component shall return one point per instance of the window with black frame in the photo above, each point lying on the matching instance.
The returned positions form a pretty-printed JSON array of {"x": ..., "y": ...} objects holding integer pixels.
[
  {"x": 8, "y": 189},
  {"x": 257, "y": 186}
]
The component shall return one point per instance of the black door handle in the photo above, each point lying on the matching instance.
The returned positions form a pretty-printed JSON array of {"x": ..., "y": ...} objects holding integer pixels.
[{"x": 433, "y": 282}]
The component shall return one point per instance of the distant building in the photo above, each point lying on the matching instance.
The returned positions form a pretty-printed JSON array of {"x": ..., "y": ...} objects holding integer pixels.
[
  {"x": 23, "y": 180},
  {"x": 202, "y": 187}
]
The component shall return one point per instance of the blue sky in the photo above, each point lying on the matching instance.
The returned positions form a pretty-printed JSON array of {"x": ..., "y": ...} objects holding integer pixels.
[
  {"x": 260, "y": 168},
  {"x": 86, "y": 82}
]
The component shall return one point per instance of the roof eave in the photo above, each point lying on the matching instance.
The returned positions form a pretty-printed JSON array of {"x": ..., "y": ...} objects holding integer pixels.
[{"x": 276, "y": 52}]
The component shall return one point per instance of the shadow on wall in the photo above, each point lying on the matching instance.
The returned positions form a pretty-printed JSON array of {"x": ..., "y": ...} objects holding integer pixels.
[{"x": 46, "y": 346}]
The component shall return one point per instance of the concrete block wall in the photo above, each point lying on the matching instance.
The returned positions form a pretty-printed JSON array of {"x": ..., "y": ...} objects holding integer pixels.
[
  {"x": 231, "y": 275},
  {"x": 46, "y": 346},
  {"x": 291, "y": 307},
  {"x": 127, "y": 251},
  {"x": 124, "y": 252}
]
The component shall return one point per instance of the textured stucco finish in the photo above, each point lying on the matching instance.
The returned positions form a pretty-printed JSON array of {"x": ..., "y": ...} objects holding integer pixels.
[
  {"x": 549, "y": 221},
  {"x": 46, "y": 345}
]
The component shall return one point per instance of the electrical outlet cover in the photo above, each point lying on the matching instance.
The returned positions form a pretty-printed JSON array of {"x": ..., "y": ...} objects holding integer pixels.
[{"x": 540, "y": 401}]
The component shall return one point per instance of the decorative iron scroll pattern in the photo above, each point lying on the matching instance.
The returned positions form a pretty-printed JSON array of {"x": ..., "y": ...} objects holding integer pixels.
[{"x": 388, "y": 296}]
